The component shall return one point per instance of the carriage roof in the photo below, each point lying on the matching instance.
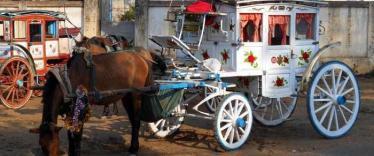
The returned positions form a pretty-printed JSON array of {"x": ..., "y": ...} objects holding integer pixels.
[{"x": 18, "y": 13}]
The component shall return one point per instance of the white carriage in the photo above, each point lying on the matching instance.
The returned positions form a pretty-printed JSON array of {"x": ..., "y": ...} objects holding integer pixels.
[{"x": 253, "y": 59}]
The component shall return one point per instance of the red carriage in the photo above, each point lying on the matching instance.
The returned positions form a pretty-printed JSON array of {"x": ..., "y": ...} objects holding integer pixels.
[{"x": 29, "y": 46}]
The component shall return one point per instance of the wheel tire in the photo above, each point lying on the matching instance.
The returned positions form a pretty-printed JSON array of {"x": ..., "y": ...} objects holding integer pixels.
[
  {"x": 240, "y": 123},
  {"x": 264, "y": 112},
  {"x": 16, "y": 79},
  {"x": 165, "y": 127},
  {"x": 333, "y": 99}
]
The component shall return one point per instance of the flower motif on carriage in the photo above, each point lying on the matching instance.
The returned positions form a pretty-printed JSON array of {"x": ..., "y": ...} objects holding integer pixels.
[
  {"x": 305, "y": 56},
  {"x": 280, "y": 60},
  {"x": 280, "y": 82},
  {"x": 225, "y": 55},
  {"x": 216, "y": 26},
  {"x": 205, "y": 54},
  {"x": 251, "y": 59}
]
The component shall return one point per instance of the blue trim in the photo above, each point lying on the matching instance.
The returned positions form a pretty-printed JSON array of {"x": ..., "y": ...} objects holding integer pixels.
[{"x": 177, "y": 86}]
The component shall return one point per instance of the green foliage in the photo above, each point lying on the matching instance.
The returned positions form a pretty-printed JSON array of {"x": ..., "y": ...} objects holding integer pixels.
[{"x": 129, "y": 15}]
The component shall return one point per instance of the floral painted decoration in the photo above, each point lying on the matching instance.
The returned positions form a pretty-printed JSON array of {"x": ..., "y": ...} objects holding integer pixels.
[
  {"x": 280, "y": 82},
  {"x": 305, "y": 56},
  {"x": 280, "y": 60},
  {"x": 251, "y": 59},
  {"x": 205, "y": 54},
  {"x": 225, "y": 55}
]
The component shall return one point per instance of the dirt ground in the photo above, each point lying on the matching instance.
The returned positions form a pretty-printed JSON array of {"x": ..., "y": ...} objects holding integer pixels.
[{"x": 111, "y": 136}]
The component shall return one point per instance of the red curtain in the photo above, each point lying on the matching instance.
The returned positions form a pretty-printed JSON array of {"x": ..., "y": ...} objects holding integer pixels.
[
  {"x": 308, "y": 18},
  {"x": 256, "y": 20},
  {"x": 283, "y": 21}
]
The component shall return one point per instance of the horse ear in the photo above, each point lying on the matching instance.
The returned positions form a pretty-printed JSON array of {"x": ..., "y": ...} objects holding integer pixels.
[
  {"x": 34, "y": 130},
  {"x": 57, "y": 129}
]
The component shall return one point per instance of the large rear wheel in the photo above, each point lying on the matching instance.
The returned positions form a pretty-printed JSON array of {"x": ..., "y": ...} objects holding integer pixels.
[
  {"x": 16, "y": 79},
  {"x": 333, "y": 99}
]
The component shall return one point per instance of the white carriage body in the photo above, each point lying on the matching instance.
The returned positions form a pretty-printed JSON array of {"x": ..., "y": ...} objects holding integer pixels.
[{"x": 277, "y": 64}]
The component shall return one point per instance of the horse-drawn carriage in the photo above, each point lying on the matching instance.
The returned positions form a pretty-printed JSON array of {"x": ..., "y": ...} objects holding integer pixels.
[
  {"x": 249, "y": 59},
  {"x": 254, "y": 59},
  {"x": 29, "y": 46}
]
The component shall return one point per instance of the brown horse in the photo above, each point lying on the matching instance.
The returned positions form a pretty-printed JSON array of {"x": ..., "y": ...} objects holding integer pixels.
[
  {"x": 99, "y": 44},
  {"x": 113, "y": 71},
  {"x": 112, "y": 43}
]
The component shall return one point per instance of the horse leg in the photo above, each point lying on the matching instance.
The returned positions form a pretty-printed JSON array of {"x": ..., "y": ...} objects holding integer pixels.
[
  {"x": 75, "y": 139},
  {"x": 105, "y": 110},
  {"x": 115, "y": 108},
  {"x": 132, "y": 108}
]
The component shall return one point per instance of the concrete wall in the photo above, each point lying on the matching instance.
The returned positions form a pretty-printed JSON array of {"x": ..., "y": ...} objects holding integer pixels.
[
  {"x": 351, "y": 22},
  {"x": 111, "y": 22}
]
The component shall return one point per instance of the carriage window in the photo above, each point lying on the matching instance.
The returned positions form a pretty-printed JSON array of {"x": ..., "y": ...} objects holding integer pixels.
[
  {"x": 35, "y": 33},
  {"x": 251, "y": 26},
  {"x": 51, "y": 29},
  {"x": 19, "y": 29},
  {"x": 305, "y": 26},
  {"x": 1, "y": 30},
  {"x": 279, "y": 30}
]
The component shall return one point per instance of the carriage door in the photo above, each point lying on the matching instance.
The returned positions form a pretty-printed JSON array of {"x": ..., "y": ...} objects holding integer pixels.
[
  {"x": 278, "y": 66},
  {"x": 35, "y": 43}
]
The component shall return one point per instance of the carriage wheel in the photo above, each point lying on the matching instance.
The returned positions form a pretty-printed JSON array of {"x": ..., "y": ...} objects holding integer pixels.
[
  {"x": 212, "y": 104},
  {"x": 168, "y": 126},
  {"x": 16, "y": 78},
  {"x": 272, "y": 111},
  {"x": 233, "y": 121},
  {"x": 333, "y": 99}
]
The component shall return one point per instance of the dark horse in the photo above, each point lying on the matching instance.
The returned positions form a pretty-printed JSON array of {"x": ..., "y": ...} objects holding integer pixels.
[{"x": 113, "y": 71}]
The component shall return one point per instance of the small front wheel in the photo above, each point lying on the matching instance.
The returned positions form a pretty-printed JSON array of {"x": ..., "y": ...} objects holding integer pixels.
[
  {"x": 233, "y": 121},
  {"x": 165, "y": 127},
  {"x": 333, "y": 99}
]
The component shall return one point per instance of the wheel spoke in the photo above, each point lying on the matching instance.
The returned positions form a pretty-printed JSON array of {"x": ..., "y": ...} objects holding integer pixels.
[
  {"x": 237, "y": 134},
  {"x": 347, "y": 91},
  {"x": 232, "y": 135},
  {"x": 333, "y": 80},
  {"x": 338, "y": 81},
  {"x": 227, "y": 113},
  {"x": 336, "y": 119},
  {"x": 350, "y": 101},
  {"x": 10, "y": 91},
  {"x": 325, "y": 114},
  {"x": 243, "y": 114},
  {"x": 17, "y": 69},
  {"x": 347, "y": 109},
  {"x": 344, "y": 84},
  {"x": 324, "y": 91},
  {"x": 323, "y": 107},
  {"x": 322, "y": 100},
  {"x": 236, "y": 107},
  {"x": 231, "y": 109},
  {"x": 241, "y": 130},
  {"x": 226, "y": 126},
  {"x": 331, "y": 117},
  {"x": 342, "y": 113},
  {"x": 240, "y": 108},
  {"x": 227, "y": 133},
  {"x": 280, "y": 108},
  {"x": 326, "y": 85}
]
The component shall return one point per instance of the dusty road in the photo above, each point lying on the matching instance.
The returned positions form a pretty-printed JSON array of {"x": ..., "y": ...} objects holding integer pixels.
[{"x": 111, "y": 136}]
